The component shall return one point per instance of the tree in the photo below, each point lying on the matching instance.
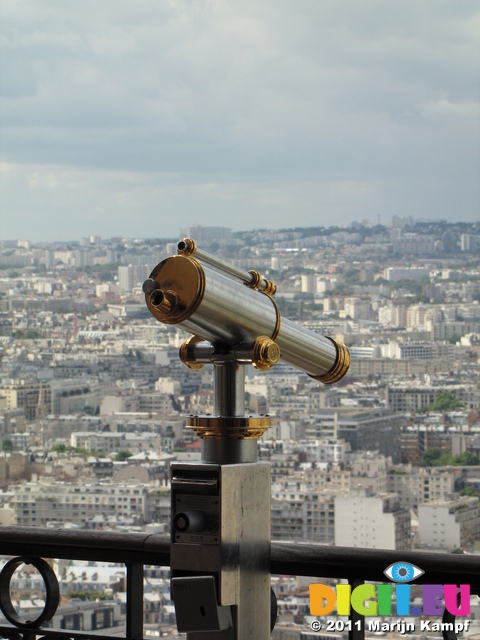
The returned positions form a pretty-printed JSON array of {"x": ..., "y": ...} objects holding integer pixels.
[
  {"x": 29, "y": 334},
  {"x": 467, "y": 491},
  {"x": 435, "y": 458},
  {"x": 8, "y": 445},
  {"x": 123, "y": 455},
  {"x": 445, "y": 401},
  {"x": 466, "y": 459},
  {"x": 438, "y": 458},
  {"x": 60, "y": 448},
  {"x": 409, "y": 285}
]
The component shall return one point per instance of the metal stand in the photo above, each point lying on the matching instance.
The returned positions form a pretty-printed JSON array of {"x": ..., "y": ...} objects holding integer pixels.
[
  {"x": 220, "y": 540},
  {"x": 220, "y": 534}
]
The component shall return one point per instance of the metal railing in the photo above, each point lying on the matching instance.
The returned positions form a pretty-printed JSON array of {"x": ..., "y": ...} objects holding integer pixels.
[{"x": 136, "y": 550}]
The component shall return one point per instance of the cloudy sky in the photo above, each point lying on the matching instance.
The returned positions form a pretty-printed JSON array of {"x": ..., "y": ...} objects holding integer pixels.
[{"x": 138, "y": 117}]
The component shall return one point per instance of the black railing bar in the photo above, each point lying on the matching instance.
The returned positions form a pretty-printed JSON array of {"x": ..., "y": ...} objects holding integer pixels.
[
  {"x": 118, "y": 556},
  {"x": 357, "y": 621},
  {"x": 46, "y": 632},
  {"x": 133, "y": 548},
  {"x": 134, "y": 623},
  {"x": 76, "y": 538},
  {"x": 355, "y": 563},
  {"x": 352, "y": 563}
]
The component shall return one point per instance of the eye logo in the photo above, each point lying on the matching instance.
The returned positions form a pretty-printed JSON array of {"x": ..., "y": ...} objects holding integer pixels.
[
  {"x": 403, "y": 572},
  {"x": 381, "y": 599}
]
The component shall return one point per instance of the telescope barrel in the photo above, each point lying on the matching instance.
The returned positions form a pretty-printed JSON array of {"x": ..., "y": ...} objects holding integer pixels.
[
  {"x": 188, "y": 247},
  {"x": 208, "y": 303}
]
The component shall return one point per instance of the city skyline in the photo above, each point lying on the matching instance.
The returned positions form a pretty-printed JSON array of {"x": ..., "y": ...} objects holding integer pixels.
[
  {"x": 156, "y": 116},
  {"x": 216, "y": 234}
]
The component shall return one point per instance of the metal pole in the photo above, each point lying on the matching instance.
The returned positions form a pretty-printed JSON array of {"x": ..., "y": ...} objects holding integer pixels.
[
  {"x": 220, "y": 551},
  {"x": 229, "y": 390}
]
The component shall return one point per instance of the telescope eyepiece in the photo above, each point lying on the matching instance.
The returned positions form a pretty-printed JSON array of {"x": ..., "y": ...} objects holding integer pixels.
[
  {"x": 186, "y": 247},
  {"x": 157, "y": 297},
  {"x": 165, "y": 301}
]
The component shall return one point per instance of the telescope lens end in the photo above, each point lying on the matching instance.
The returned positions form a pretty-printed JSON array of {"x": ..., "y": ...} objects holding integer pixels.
[{"x": 340, "y": 367}]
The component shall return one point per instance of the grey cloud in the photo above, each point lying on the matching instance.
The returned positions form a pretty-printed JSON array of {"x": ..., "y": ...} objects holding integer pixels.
[{"x": 368, "y": 92}]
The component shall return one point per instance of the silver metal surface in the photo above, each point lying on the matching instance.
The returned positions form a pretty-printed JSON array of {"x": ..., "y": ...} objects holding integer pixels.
[
  {"x": 229, "y": 451},
  {"x": 229, "y": 269},
  {"x": 229, "y": 389},
  {"x": 220, "y": 534},
  {"x": 205, "y": 352},
  {"x": 236, "y": 547},
  {"x": 232, "y": 313},
  {"x": 305, "y": 349},
  {"x": 246, "y": 531}
]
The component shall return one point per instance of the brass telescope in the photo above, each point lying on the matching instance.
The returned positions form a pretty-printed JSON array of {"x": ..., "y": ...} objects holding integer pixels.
[
  {"x": 221, "y": 304},
  {"x": 220, "y": 529}
]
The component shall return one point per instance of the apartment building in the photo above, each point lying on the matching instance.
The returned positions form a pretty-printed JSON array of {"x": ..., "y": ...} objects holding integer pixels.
[
  {"x": 364, "y": 429},
  {"x": 369, "y": 471},
  {"x": 363, "y": 519},
  {"x": 38, "y": 504},
  {"x": 450, "y": 524},
  {"x": 115, "y": 441},
  {"x": 417, "y": 485},
  {"x": 325, "y": 477},
  {"x": 33, "y": 396},
  {"x": 300, "y": 515},
  {"x": 394, "y": 274},
  {"x": 403, "y": 398},
  {"x": 325, "y": 450}
]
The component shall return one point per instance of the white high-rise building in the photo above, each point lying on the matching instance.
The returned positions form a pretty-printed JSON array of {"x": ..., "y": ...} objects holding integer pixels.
[
  {"x": 449, "y": 524},
  {"x": 309, "y": 283},
  {"x": 466, "y": 243},
  {"x": 132, "y": 275},
  {"x": 394, "y": 274},
  {"x": 125, "y": 277},
  {"x": 363, "y": 519},
  {"x": 277, "y": 263}
]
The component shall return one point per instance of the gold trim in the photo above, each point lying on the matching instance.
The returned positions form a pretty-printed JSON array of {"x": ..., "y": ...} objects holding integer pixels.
[
  {"x": 340, "y": 367},
  {"x": 186, "y": 353},
  {"x": 271, "y": 288},
  {"x": 231, "y": 428},
  {"x": 265, "y": 353},
  {"x": 256, "y": 279},
  {"x": 164, "y": 301},
  {"x": 189, "y": 248},
  {"x": 278, "y": 319},
  {"x": 268, "y": 291},
  {"x": 182, "y": 277}
]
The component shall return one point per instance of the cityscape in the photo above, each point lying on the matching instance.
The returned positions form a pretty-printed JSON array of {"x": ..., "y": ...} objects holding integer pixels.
[{"x": 94, "y": 399}]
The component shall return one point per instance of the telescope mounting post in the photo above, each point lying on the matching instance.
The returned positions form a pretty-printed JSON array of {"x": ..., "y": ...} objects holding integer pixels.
[
  {"x": 220, "y": 544},
  {"x": 220, "y": 533}
]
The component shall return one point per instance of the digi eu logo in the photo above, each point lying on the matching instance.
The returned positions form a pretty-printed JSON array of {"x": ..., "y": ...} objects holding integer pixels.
[{"x": 378, "y": 600}]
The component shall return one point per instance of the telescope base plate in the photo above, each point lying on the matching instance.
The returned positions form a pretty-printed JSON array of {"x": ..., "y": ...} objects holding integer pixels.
[{"x": 230, "y": 428}]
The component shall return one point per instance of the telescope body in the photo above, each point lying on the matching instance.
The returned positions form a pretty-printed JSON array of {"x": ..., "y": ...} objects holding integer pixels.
[
  {"x": 210, "y": 304},
  {"x": 220, "y": 533}
]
